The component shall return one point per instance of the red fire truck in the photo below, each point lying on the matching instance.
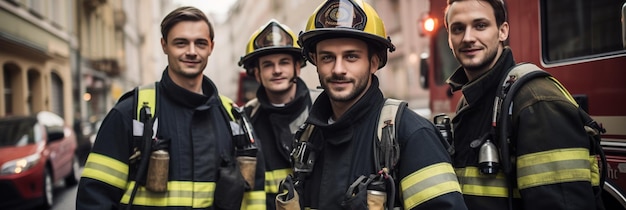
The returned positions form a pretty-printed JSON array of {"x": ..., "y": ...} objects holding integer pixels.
[
  {"x": 580, "y": 42},
  {"x": 246, "y": 89}
]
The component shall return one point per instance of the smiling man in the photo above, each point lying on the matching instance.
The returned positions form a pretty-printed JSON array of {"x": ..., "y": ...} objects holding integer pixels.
[
  {"x": 190, "y": 124},
  {"x": 340, "y": 161},
  {"x": 282, "y": 103},
  {"x": 553, "y": 162}
]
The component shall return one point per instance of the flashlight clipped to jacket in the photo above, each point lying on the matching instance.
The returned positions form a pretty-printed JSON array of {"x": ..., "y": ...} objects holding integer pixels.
[{"x": 245, "y": 146}]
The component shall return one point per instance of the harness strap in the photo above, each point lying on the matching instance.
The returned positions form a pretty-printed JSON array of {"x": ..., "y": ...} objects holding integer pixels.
[
  {"x": 386, "y": 146},
  {"x": 502, "y": 113}
]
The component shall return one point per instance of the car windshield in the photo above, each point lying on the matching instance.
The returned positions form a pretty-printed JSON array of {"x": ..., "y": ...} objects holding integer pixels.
[{"x": 19, "y": 131}]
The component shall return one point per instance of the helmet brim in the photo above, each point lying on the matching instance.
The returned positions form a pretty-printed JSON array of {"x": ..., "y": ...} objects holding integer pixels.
[
  {"x": 248, "y": 61},
  {"x": 309, "y": 39},
  {"x": 314, "y": 36}
]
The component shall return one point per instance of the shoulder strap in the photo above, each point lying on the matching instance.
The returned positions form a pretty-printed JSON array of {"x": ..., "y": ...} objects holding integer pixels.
[
  {"x": 501, "y": 118},
  {"x": 516, "y": 77},
  {"x": 228, "y": 104},
  {"x": 386, "y": 148},
  {"x": 388, "y": 114},
  {"x": 254, "y": 104},
  {"x": 303, "y": 154},
  {"x": 145, "y": 94},
  {"x": 143, "y": 132}
]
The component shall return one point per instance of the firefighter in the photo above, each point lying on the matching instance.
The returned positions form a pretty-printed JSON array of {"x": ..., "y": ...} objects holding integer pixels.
[
  {"x": 186, "y": 122},
  {"x": 282, "y": 102},
  {"x": 347, "y": 42},
  {"x": 553, "y": 167}
]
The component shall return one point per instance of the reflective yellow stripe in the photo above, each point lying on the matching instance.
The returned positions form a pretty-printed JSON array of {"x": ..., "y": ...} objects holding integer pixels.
[
  {"x": 564, "y": 91},
  {"x": 146, "y": 95},
  {"x": 595, "y": 171},
  {"x": 106, "y": 169},
  {"x": 254, "y": 200},
  {"x": 273, "y": 179},
  {"x": 228, "y": 105},
  {"x": 474, "y": 183},
  {"x": 179, "y": 193},
  {"x": 554, "y": 166},
  {"x": 428, "y": 183}
]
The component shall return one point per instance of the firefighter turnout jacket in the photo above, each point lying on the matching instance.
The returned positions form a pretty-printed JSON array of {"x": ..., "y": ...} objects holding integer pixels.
[
  {"x": 275, "y": 127},
  {"x": 552, "y": 164},
  {"x": 200, "y": 142},
  {"x": 424, "y": 177}
]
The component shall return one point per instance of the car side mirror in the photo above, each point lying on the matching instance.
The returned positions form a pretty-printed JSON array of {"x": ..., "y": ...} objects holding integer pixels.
[{"x": 55, "y": 133}]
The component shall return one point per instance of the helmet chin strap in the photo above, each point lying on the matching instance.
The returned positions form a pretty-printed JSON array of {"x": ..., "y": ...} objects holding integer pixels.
[{"x": 295, "y": 73}]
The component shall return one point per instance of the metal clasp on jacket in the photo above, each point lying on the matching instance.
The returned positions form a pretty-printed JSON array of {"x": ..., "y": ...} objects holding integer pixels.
[{"x": 303, "y": 157}]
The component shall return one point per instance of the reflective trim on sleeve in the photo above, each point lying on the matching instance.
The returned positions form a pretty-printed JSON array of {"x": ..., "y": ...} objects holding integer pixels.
[
  {"x": 554, "y": 166},
  {"x": 273, "y": 179},
  {"x": 474, "y": 183},
  {"x": 106, "y": 169},
  {"x": 254, "y": 200},
  {"x": 179, "y": 193},
  {"x": 428, "y": 183},
  {"x": 595, "y": 171}
]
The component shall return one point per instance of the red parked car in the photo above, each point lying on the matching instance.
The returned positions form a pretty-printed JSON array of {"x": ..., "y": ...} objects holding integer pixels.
[{"x": 36, "y": 152}]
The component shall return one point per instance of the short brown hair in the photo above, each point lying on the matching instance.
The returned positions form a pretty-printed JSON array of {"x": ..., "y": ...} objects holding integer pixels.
[
  {"x": 498, "y": 9},
  {"x": 180, "y": 14}
]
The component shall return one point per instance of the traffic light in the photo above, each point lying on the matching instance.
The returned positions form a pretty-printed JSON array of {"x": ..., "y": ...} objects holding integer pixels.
[{"x": 427, "y": 25}]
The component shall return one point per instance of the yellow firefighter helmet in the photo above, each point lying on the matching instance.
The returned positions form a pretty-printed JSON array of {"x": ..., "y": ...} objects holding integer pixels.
[
  {"x": 346, "y": 18},
  {"x": 271, "y": 38}
]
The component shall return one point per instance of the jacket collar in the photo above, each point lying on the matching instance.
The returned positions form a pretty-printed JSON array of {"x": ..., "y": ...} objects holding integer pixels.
[
  {"x": 185, "y": 97},
  {"x": 486, "y": 83},
  {"x": 300, "y": 101}
]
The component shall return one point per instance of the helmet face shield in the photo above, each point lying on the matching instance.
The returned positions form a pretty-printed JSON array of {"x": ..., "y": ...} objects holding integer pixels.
[
  {"x": 341, "y": 14},
  {"x": 272, "y": 38}
]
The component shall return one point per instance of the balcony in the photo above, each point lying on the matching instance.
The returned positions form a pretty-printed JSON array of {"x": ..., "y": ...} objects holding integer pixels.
[
  {"x": 91, "y": 5},
  {"x": 109, "y": 66}
]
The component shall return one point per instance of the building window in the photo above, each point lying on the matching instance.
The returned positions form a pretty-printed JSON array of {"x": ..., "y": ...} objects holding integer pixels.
[
  {"x": 56, "y": 95},
  {"x": 10, "y": 72},
  {"x": 36, "y": 8},
  {"x": 35, "y": 94}
]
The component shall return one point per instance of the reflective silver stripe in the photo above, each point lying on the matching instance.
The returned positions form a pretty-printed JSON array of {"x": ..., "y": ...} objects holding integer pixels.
[
  {"x": 553, "y": 166},
  {"x": 106, "y": 169},
  {"x": 427, "y": 183},
  {"x": 474, "y": 183}
]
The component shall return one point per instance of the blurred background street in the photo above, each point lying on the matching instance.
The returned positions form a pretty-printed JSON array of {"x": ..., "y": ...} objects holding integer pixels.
[{"x": 75, "y": 59}]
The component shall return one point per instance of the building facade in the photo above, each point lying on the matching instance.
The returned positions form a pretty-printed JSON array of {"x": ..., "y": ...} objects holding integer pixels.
[
  {"x": 400, "y": 78},
  {"x": 35, "y": 57},
  {"x": 77, "y": 57}
]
